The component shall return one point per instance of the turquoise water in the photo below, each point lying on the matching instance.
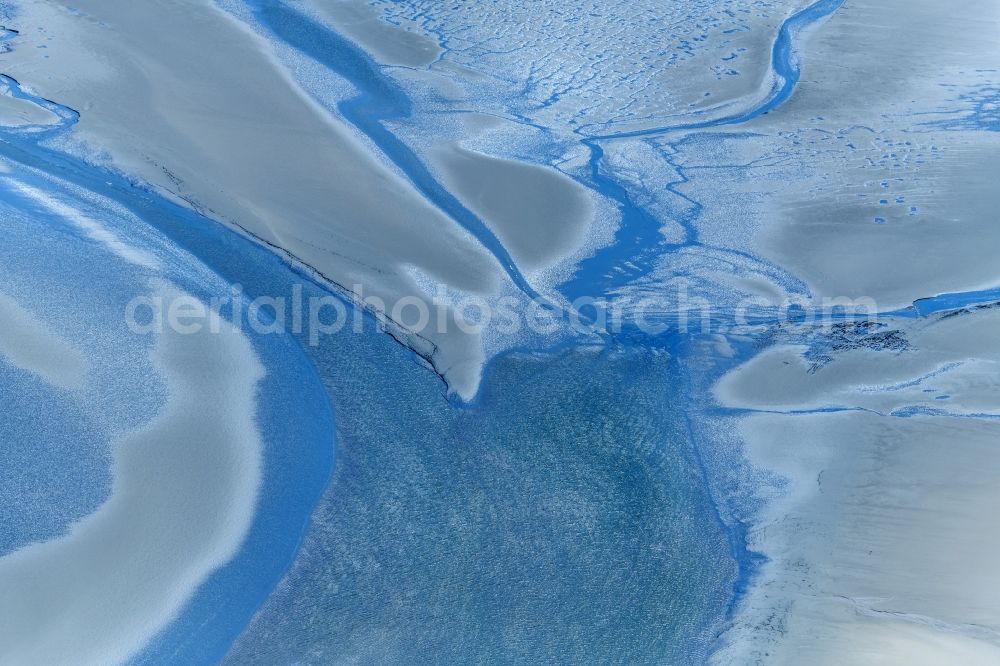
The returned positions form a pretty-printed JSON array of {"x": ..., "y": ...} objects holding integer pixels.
[{"x": 562, "y": 519}]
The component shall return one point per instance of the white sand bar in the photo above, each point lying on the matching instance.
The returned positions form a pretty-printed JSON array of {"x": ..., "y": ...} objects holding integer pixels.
[
  {"x": 26, "y": 342},
  {"x": 882, "y": 542},
  {"x": 181, "y": 504},
  {"x": 184, "y": 96}
]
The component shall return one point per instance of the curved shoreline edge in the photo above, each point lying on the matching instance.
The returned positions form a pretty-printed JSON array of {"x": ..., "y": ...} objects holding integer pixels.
[{"x": 292, "y": 410}]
